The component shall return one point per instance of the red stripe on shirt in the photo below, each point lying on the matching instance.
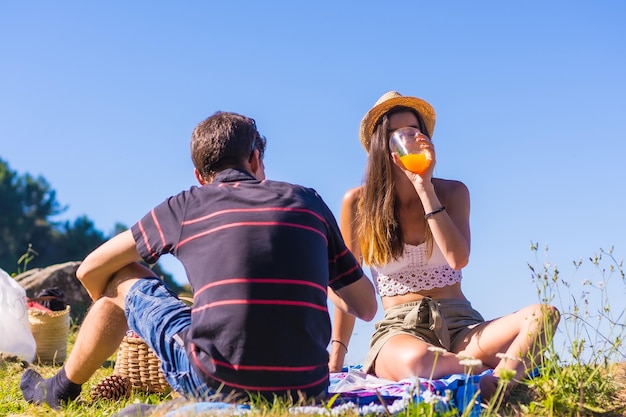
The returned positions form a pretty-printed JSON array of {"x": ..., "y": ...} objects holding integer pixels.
[
  {"x": 261, "y": 281},
  {"x": 344, "y": 274},
  {"x": 320, "y": 381},
  {"x": 267, "y": 367},
  {"x": 158, "y": 226},
  {"x": 259, "y": 302},
  {"x": 241, "y": 224},
  {"x": 231, "y": 184},
  {"x": 253, "y": 210},
  {"x": 145, "y": 239},
  {"x": 339, "y": 255}
]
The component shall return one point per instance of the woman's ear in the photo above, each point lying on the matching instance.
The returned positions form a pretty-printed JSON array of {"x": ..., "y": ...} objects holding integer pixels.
[{"x": 199, "y": 177}]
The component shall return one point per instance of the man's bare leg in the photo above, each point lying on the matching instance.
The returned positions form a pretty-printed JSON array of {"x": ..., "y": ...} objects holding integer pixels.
[{"x": 99, "y": 337}]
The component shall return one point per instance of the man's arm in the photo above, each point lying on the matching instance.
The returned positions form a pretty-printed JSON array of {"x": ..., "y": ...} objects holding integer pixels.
[
  {"x": 98, "y": 267},
  {"x": 357, "y": 299},
  {"x": 343, "y": 323}
]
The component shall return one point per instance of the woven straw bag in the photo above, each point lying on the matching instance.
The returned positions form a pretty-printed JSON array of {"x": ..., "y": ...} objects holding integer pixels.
[
  {"x": 50, "y": 330},
  {"x": 136, "y": 361}
]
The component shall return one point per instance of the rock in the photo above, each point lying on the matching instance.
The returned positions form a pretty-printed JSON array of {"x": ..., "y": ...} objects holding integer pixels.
[{"x": 62, "y": 276}]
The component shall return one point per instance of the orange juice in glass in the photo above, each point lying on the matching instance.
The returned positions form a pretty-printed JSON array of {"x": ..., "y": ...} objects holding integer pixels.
[
  {"x": 405, "y": 143},
  {"x": 415, "y": 162}
]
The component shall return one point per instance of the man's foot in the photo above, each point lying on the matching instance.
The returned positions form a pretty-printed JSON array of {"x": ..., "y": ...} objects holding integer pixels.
[{"x": 52, "y": 391}]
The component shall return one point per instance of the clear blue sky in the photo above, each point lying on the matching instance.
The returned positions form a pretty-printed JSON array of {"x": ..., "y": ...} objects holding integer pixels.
[{"x": 100, "y": 100}]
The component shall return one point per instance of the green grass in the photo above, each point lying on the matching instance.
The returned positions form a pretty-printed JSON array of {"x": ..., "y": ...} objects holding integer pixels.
[
  {"x": 12, "y": 402},
  {"x": 583, "y": 370}
]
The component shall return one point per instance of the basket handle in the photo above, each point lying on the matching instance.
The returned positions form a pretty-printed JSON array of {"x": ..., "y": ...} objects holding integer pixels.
[{"x": 42, "y": 298}]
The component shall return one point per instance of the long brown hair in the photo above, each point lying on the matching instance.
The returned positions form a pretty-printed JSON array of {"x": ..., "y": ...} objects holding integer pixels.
[{"x": 376, "y": 220}]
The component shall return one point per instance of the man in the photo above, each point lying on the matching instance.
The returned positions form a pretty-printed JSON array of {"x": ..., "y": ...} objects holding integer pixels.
[{"x": 259, "y": 256}]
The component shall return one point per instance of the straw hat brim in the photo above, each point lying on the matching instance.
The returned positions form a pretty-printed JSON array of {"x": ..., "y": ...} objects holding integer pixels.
[{"x": 386, "y": 103}]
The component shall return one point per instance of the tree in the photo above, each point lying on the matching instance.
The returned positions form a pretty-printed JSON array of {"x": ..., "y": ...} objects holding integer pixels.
[
  {"x": 73, "y": 241},
  {"x": 26, "y": 204}
]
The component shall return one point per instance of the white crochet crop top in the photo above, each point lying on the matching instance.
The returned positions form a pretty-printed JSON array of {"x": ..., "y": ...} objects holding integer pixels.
[{"x": 414, "y": 272}]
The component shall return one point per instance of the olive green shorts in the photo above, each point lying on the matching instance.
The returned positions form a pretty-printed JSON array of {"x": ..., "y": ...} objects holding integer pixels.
[{"x": 443, "y": 323}]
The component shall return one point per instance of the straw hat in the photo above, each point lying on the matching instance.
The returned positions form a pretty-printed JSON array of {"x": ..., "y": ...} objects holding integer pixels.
[{"x": 388, "y": 101}]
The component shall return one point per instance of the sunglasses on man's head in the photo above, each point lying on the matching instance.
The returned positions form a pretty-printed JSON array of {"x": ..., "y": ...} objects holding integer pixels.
[{"x": 252, "y": 149}]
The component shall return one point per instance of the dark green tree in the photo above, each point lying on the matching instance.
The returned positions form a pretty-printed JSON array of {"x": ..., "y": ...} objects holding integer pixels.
[
  {"x": 27, "y": 205},
  {"x": 73, "y": 241}
]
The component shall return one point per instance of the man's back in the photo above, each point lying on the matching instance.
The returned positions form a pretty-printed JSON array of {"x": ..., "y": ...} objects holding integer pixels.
[{"x": 259, "y": 256}]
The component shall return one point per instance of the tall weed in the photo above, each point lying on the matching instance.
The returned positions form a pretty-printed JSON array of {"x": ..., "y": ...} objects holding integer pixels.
[{"x": 578, "y": 373}]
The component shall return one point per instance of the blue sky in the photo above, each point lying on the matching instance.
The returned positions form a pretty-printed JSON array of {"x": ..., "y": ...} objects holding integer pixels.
[{"x": 101, "y": 98}]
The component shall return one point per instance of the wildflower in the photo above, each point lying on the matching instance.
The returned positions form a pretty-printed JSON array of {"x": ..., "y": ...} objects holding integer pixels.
[
  {"x": 507, "y": 357},
  {"x": 429, "y": 397},
  {"x": 436, "y": 349},
  {"x": 471, "y": 363},
  {"x": 506, "y": 375}
]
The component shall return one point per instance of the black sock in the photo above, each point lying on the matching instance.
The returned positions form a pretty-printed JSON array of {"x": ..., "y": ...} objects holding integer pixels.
[{"x": 52, "y": 391}]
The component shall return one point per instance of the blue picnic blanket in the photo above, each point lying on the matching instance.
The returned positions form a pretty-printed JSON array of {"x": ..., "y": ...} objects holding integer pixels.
[
  {"x": 379, "y": 396},
  {"x": 352, "y": 390}
]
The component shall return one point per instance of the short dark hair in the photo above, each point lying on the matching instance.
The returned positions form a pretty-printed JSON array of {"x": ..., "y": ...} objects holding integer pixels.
[{"x": 224, "y": 140}]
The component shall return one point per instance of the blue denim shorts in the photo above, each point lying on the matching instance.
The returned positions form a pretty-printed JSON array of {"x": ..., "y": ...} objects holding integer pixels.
[{"x": 156, "y": 314}]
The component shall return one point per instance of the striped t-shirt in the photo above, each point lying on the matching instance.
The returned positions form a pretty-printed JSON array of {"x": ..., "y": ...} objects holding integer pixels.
[{"x": 259, "y": 256}]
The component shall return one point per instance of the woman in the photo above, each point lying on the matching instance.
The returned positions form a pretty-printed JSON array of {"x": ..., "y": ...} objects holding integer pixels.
[{"x": 413, "y": 231}]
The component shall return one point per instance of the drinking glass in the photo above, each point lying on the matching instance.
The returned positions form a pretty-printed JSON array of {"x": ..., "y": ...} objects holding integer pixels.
[{"x": 406, "y": 144}]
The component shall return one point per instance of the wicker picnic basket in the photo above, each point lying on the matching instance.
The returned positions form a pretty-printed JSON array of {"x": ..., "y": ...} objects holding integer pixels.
[
  {"x": 136, "y": 361},
  {"x": 50, "y": 330}
]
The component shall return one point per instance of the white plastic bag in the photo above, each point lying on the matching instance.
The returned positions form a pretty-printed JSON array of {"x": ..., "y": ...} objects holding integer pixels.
[{"x": 16, "y": 338}]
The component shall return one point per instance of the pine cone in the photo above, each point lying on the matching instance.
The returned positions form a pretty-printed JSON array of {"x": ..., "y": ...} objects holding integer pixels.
[{"x": 112, "y": 387}]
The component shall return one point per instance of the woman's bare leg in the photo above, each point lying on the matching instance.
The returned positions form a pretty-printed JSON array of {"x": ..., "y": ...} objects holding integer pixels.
[
  {"x": 514, "y": 342},
  {"x": 520, "y": 337},
  {"x": 404, "y": 356}
]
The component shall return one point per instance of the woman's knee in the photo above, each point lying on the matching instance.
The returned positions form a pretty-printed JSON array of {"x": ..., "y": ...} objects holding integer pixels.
[
  {"x": 548, "y": 313},
  {"x": 552, "y": 317},
  {"x": 546, "y": 316},
  {"x": 399, "y": 359}
]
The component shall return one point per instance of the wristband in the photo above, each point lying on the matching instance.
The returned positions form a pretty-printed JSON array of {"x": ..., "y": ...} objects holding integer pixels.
[
  {"x": 341, "y": 343},
  {"x": 432, "y": 213}
]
